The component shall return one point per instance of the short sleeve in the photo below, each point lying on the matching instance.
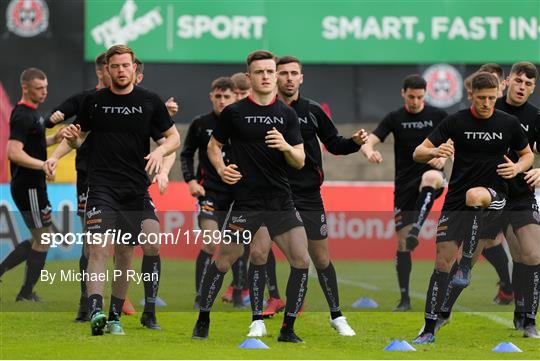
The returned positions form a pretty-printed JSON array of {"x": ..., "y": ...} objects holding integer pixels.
[
  {"x": 292, "y": 135},
  {"x": 222, "y": 131},
  {"x": 384, "y": 128},
  {"x": 161, "y": 120},
  {"x": 441, "y": 133},
  {"x": 19, "y": 126},
  {"x": 519, "y": 138}
]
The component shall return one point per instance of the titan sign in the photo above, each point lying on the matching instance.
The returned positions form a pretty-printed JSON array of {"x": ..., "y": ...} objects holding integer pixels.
[{"x": 385, "y": 31}]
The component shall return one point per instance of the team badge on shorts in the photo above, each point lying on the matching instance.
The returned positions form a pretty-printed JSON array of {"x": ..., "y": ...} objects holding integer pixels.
[
  {"x": 299, "y": 217},
  {"x": 27, "y": 18},
  {"x": 536, "y": 216},
  {"x": 324, "y": 230}
]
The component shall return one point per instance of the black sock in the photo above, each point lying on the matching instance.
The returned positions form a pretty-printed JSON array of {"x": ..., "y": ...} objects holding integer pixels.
[
  {"x": 257, "y": 280},
  {"x": 235, "y": 268},
  {"x": 95, "y": 303},
  {"x": 210, "y": 286},
  {"x": 271, "y": 277},
  {"x": 83, "y": 265},
  {"x": 16, "y": 257},
  {"x": 329, "y": 286},
  {"x": 151, "y": 266},
  {"x": 474, "y": 221},
  {"x": 244, "y": 271},
  {"x": 451, "y": 296},
  {"x": 423, "y": 205},
  {"x": 518, "y": 278},
  {"x": 115, "y": 308},
  {"x": 499, "y": 260},
  {"x": 531, "y": 291},
  {"x": 201, "y": 266},
  {"x": 34, "y": 264},
  {"x": 403, "y": 268},
  {"x": 436, "y": 293},
  {"x": 296, "y": 292}
]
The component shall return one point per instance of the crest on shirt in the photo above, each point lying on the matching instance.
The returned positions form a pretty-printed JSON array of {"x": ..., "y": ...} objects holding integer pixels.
[
  {"x": 27, "y": 18},
  {"x": 444, "y": 85}
]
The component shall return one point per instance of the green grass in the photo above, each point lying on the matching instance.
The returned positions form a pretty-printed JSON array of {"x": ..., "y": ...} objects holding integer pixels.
[{"x": 52, "y": 334}]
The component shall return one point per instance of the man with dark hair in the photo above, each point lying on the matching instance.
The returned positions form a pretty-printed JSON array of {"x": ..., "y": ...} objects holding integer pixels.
[
  {"x": 476, "y": 195},
  {"x": 305, "y": 186},
  {"x": 520, "y": 221},
  {"x": 118, "y": 174},
  {"x": 27, "y": 151},
  {"x": 265, "y": 140},
  {"x": 214, "y": 196},
  {"x": 416, "y": 185}
]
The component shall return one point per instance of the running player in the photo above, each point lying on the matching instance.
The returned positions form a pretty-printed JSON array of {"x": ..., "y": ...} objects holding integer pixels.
[
  {"x": 27, "y": 152},
  {"x": 416, "y": 185},
  {"x": 520, "y": 220},
  {"x": 477, "y": 190},
  {"x": 306, "y": 190},
  {"x": 117, "y": 172},
  {"x": 214, "y": 196},
  {"x": 265, "y": 140}
]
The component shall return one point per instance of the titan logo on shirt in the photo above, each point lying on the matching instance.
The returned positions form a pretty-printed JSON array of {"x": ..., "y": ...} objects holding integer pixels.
[
  {"x": 525, "y": 127},
  {"x": 260, "y": 119},
  {"x": 418, "y": 125},
  {"x": 122, "y": 110},
  {"x": 483, "y": 136}
]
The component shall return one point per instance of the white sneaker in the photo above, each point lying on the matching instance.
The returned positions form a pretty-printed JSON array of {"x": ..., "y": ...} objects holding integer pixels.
[
  {"x": 257, "y": 329},
  {"x": 342, "y": 327}
]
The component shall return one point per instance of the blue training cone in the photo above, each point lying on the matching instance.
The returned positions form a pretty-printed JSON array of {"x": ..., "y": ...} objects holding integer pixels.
[
  {"x": 402, "y": 346},
  {"x": 506, "y": 347},
  {"x": 159, "y": 302},
  {"x": 365, "y": 302},
  {"x": 253, "y": 343}
]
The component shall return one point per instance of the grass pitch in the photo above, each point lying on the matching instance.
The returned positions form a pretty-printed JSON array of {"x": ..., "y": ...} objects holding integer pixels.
[{"x": 46, "y": 330}]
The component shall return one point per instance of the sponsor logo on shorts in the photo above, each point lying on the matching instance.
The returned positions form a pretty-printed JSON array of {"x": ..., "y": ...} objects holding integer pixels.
[
  {"x": 324, "y": 230},
  {"x": 322, "y": 218},
  {"x": 234, "y": 227},
  {"x": 94, "y": 221},
  {"x": 443, "y": 219},
  {"x": 444, "y": 85},
  {"x": 93, "y": 212},
  {"x": 27, "y": 18},
  {"x": 238, "y": 219},
  {"x": 299, "y": 217}
]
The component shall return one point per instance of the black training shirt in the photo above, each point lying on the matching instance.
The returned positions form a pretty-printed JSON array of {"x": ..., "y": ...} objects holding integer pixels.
[
  {"x": 245, "y": 124},
  {"x": 314, "y": 122},
  {"x": 121, "y": 127},
  {"x": 410, "y": 130},
  {"x": 28, "y": 127},
  {"x": 197, "y": 138},
  {"x": 529, "y": 117},
  {"x": 480, "y": 145}
]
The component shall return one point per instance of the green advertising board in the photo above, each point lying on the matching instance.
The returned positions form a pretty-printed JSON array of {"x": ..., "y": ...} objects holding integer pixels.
[{"x": 324, "y": 31}]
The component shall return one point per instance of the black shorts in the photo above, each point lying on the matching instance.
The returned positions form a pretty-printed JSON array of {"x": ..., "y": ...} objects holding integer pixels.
[
  {"x": 33, "y": 203},
  {"x": 277, "y": 213},
  {"x": 520, "y": 211},
  {"x": 405, "y": 198},
  {"x": 215, "y": 206},
  {"x": 107, "y": 209},
  {"x": 149, "y": 209},
  {"x": 82, "y": 192},
  {"x": 452, "y": 227},
  {"x": 312, "y": 212}
]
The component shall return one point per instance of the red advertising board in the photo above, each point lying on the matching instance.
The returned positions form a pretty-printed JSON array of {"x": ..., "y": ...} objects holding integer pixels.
[{"x": 359, "y": 215}]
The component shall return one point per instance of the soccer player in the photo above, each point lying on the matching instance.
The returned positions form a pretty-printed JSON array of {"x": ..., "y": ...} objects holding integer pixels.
[
  {"x": 69, "y": 108},
  {"x": 416, "y": 185},
  {"x": 306, "y": 191},
  {"x": 242, "y": 85},
  {"x": 214, "y": 196},
  {"x": 520, "y": 220},
  {"x": 477, "y": 191},
  {"x": 117, "y": 123},
  {"x": 265, "y": 140},
  {"x": 27, "y": 152}
]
